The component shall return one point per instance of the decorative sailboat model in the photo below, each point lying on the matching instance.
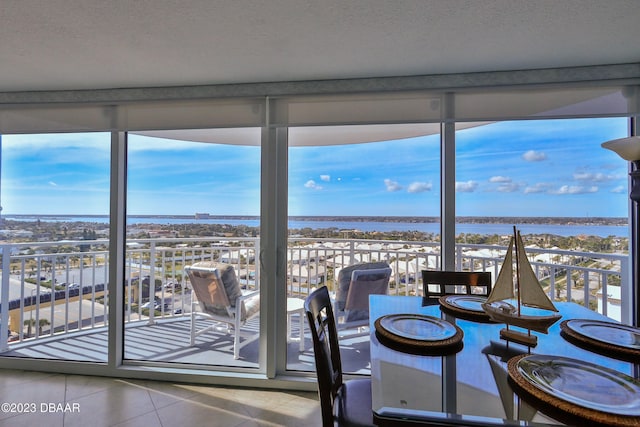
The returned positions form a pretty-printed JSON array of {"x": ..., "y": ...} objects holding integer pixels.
[{"x": 528, "y": 292}]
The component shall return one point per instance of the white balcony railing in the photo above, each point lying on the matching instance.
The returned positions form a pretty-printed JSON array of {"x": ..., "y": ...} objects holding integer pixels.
[{"x": 74, "y": 275}]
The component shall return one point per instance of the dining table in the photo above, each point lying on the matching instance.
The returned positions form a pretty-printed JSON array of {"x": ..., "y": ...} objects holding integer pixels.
[{"x": 467, "y": 383}]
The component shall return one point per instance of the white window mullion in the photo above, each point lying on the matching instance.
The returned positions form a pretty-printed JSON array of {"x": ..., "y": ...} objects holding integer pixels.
[{"x": 118, "y": 223}]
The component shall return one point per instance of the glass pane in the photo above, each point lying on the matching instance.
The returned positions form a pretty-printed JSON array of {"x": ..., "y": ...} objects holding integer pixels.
[
  {"x": 567, "y": 196},
  {"x": 192, "y": 203},
  {"x": 372, "y": 203},
  {"x": 55, "y": 231}
]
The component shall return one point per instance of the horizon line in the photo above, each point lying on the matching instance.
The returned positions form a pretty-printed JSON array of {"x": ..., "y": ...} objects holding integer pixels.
[{"x": 359, "y": 218}]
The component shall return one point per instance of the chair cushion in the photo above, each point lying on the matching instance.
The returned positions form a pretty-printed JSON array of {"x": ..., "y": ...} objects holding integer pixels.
[
  {"x": 230, "y": 282},
  {"x": 364, "y": 283},
  {"x": 227, "y": 275},
  {"x": 344, "y": 279},
  {"x": 250, "y": 307},
  {"x": 352, "y": 405}
]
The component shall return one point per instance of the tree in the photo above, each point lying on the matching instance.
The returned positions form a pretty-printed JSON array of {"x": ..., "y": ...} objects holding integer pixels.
[
  {"x": 41, "y": 324},
  {"x": 29, "y": 324}
]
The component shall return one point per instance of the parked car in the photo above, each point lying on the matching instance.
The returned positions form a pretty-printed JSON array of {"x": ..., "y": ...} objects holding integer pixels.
[
  {"x": 156, "y": 304},
  {"x": 173, "y": 286}
]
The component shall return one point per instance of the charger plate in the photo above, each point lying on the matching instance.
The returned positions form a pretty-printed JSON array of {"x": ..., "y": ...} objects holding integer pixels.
[
  {"x": 609, "y": 338},
  {"x": 418, "y": 334},
  {"x": 579, "y": 390},
  {"x": 468, "y": 307}
]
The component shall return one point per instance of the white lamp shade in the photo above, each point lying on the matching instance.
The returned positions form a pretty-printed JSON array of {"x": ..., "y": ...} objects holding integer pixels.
[{"x": 627, "y": 148}]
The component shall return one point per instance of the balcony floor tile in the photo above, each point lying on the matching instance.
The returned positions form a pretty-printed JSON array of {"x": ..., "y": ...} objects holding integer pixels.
[{"x": 167, "y": 341}]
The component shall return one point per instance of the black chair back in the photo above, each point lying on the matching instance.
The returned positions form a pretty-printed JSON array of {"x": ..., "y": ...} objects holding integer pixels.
[
  {"x": 326, "y": 349},
  {"x": 436, "y": 284}
]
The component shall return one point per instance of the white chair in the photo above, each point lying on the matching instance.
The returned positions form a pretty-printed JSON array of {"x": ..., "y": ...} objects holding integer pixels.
[
  {"x": 218, "y": 297},
  {"x": 355, "y": 284}
]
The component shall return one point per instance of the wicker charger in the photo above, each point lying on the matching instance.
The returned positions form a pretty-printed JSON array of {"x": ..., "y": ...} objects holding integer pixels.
[
  {"x": 461, "y": 313},
  {"x": 560, "y": 409},
  {"x": 417, "y": 346},
  {"x": 607, "y": 349}
]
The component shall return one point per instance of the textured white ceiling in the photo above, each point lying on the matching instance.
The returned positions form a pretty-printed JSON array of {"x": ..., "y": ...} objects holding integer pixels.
[{"x": 94, "y": 44}]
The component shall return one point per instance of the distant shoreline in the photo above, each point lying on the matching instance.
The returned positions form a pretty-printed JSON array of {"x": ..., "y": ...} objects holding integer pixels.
[{"x": 404, "y": 219}]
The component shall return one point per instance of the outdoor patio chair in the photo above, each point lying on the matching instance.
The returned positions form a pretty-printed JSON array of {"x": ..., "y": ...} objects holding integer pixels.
[
  {"x": 355, "y": 284},
  {"x": 436, "y": 284},
  {"x": 218, "y": 297},
  {"x": 342, "y": 403}
]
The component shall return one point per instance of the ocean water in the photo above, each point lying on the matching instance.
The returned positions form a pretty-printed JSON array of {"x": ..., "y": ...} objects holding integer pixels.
[{"x": 488, "y": 229}]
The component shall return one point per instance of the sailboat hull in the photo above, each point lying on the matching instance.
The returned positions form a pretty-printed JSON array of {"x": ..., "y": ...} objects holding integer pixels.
[{"x": 501, "y": 312}]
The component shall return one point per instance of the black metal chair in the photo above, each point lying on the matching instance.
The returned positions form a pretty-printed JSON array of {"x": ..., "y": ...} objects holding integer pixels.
[
  {"x": 436, "y": 284},
  {"x": 343, "y": 403}
]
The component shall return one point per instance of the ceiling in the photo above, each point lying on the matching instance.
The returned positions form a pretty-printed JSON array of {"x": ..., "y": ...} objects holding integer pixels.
[{"x": 97, "y": 44}]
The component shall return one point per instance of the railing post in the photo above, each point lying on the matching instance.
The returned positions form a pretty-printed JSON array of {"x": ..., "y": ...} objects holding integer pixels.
[
  {"x": 605, "y": 294},
  {"x": 626, "y": 295},
  {"x": 4, "y": 314},
  {"x": 256, "y": 251},
  {"x": 569, "y": 280},
  {"x": 152, "y": 284},
  {"x": 459, "y": 257},
  {"x": 587, "y": 290}
]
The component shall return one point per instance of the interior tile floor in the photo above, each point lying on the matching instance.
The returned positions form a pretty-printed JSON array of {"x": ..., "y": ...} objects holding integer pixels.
[{"x": 75, "y": 400}]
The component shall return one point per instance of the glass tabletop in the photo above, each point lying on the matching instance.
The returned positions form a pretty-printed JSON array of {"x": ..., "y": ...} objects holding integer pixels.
[{"x": 468, "y": 388}]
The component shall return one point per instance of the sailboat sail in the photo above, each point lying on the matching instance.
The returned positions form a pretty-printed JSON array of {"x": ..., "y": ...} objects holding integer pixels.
[
  {"x": 528, "y": 292},
  {"x": 503, "y": 288},
  {"x": 531, "y": 293}
]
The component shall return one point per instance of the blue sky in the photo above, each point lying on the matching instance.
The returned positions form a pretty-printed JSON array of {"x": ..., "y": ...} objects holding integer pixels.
[{"x": 526, "y": 168}]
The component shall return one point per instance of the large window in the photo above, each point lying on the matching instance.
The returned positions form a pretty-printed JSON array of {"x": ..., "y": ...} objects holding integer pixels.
[
  {"x": 288, "y": 191},
  {"x": 372, "y": 203},
  {"x": 55, "y": 225},
  {"x": 187, "y": 203},
  {"x": 567, "y": 196}
]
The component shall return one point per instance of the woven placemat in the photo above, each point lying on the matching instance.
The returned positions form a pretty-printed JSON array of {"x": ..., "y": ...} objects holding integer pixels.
[
  {"x": 604, "y": 348},
  {"x": 560, "y": 409},
  {"x": 461, "y": 313},
  {"x": 423, "y": 347}
]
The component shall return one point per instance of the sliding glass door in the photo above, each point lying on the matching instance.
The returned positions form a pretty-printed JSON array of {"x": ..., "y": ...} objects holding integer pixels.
[
  {"x": 373, "y": 203},
  {"x": 192, "y": 203},
  {"x": 55, "y": 235}
]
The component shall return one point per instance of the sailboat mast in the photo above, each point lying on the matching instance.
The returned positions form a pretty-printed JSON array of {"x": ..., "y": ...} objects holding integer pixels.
[{"x": 515, "y": 237}]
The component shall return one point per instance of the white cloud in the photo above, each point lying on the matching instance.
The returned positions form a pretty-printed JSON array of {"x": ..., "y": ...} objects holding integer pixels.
[
  {"x": 53, "y": 184},
  {"x": 419, "y": 187},
  {"x": 619, "y": 189},
  {"x": 466, "y": 187},
  {"x": 392, "y": 185},
  {"x": 534, "y": 156},
  {"x": 325, "y": 178},
  {"x": 593, "y": 177},
  {"x": 312, "y": 184},
  {"x": 499, "y": 179},
  {"x": 508, "y": 187},
  {"x": 540, "y": 187},
  {"x": 575, "y": 189}
]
